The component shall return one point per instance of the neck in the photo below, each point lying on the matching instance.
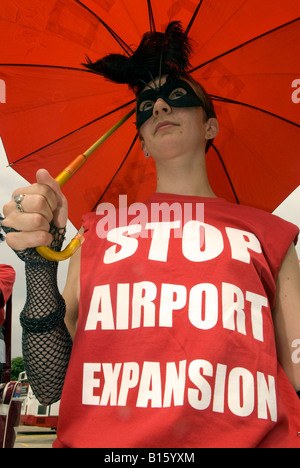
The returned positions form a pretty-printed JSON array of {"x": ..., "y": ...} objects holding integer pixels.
[{"x": 177, "y": 177}]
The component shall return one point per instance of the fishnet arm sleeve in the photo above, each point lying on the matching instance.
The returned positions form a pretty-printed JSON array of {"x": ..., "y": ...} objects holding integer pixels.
[{"x": 46, "y": 341}]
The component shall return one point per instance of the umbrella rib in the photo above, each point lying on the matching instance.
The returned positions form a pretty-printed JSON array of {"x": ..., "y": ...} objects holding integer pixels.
[
  {"x": 117, "y": 38},
  {"x": 193, "y": 18},
  {"x": 55, "y": 67},
  {"x": 151, "y": 17},
  {"x": 244, "y": 44},
  {"x": 226, "y": 172},
  {"x": 36, "y": 65},
  {"x": 250, "y": 106},
  {"x": 116, "y": 173},
  {"x": 71, "y": 133}
]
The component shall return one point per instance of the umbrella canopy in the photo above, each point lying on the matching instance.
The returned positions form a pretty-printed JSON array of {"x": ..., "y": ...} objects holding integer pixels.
[{"x": 246, "y": 55}]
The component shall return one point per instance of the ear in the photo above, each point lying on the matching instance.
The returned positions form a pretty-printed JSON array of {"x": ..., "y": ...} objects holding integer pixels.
[
  {"x": 145, "y": 149},
  {"x": 212, "y": 128}
]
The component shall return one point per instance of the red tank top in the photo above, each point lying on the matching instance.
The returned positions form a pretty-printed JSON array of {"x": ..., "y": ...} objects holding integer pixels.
[
  {"x": 7, "y": 279},
  {"x": 175, "y": 344}
]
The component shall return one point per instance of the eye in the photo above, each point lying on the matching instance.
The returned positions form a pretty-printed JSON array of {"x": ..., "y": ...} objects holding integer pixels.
[
  {"x": 177, "y": 93},
  {"x": 146, "y": 106}
]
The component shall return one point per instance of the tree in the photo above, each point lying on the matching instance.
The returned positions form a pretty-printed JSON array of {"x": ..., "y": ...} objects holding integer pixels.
[{"x": 17, "y": 366}]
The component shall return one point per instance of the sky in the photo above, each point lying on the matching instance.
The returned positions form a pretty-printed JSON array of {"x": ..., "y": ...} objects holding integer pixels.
[{"x": 10, "y": 180}]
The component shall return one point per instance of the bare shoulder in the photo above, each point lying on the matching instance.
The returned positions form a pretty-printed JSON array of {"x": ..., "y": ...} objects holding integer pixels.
[
  {"x": 71, "y": 293},
  {"x": 288, "y": 281},
  {"x": 286, "y": 315}
]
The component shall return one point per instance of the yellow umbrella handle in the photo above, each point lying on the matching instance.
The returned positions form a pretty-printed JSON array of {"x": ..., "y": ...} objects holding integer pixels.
[{"x": 62, "y": 178}]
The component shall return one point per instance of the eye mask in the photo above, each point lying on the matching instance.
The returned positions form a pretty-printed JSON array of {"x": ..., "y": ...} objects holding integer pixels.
[{"x": 175, "y": 92}]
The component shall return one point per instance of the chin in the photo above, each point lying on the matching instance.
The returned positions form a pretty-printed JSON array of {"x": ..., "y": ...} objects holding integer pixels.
[{"x": 170, "y": 145}]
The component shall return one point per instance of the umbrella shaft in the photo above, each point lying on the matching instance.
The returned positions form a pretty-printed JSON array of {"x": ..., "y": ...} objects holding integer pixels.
[
  {"x": 62, "y": 178},
  {"x": 70, "y": 170},
  {"x": 76, "y": 164},
  {"x": 106, "y": 135}
]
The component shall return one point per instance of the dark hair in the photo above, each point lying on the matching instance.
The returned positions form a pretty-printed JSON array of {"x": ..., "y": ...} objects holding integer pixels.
[
  {"x": 208, "y": 106},
  {"x": 157, "y": 54},
  {"x": 203, "y": 94}
]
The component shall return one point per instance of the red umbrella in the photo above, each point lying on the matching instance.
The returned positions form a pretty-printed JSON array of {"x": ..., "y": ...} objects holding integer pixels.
[{"x": 246, "y": 55}]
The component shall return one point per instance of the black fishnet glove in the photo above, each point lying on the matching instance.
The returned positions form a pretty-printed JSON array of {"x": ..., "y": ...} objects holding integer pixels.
[{"x": 46, "y": 341}]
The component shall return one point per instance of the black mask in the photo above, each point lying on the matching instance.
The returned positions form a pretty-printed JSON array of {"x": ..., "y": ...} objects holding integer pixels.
[{"x": 175, "y": 92}]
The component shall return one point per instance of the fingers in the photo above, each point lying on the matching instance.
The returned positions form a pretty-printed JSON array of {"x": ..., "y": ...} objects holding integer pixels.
[
  {"x": 42, "y": 202},
  {"x": 40, "y": 190},
  {"x": 38, "y": 205},
  {"x": 24, "y": 240},
  {"x": 31, "y": 203}
]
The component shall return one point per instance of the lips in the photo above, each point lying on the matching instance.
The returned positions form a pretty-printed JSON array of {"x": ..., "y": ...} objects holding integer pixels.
[{"x": 165, "y": 123}]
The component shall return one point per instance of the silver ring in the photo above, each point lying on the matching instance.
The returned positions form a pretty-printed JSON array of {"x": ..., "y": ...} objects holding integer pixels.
[{"x": 18, "y": 200}]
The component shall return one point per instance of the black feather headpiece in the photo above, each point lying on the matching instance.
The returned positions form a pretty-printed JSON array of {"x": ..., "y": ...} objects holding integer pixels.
[{"x": 158, "y": 54}]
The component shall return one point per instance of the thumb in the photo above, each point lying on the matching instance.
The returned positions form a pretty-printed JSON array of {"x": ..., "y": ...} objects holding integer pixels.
[
  {"x": 60, "y": 215},
  {"x": 43, "y": 177}
]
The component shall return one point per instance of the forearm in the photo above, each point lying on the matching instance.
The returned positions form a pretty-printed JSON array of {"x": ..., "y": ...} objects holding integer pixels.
[
  {"x": 46, "y": 341},
  {"x": 47, "y": 344}
]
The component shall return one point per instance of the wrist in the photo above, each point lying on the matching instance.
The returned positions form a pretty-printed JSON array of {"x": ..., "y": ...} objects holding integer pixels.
[{"x": 30, "y": 255}]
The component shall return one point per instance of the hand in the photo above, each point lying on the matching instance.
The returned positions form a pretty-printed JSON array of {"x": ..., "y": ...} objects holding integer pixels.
[{"x": 43, "y": 202}]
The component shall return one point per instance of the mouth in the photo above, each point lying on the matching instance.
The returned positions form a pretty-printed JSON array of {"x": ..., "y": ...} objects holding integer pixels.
[{"x": 164, "y": 125}]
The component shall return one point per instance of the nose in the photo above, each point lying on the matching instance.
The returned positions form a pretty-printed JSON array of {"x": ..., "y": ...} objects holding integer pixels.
[{"x": 160, "y": 107}]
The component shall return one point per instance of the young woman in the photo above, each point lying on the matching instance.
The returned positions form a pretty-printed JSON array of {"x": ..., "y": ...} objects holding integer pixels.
[{"x": 183, "y": 325}]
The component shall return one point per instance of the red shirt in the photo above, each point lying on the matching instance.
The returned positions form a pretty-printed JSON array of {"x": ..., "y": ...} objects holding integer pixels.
[
  {"x": 175, "y": 342},
  {"x": 7, "y": 279}
]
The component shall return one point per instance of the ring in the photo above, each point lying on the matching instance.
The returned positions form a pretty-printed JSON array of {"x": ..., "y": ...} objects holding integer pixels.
[{"x": 18, "y": 200}]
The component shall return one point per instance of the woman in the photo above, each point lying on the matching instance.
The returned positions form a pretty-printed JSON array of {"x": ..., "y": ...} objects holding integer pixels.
[{"x": 173, "y": 318}]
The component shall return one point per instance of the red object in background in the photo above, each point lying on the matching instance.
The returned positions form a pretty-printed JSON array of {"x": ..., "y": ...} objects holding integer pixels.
[
  {"x": 10, "y": 410},
  {"x": 7, "y": 279},
  {"x": 246, "y": 54},
  {"x": 10, "y": 402}
]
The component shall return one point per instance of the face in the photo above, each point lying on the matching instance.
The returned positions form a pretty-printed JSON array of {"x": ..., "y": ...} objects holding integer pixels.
[
  {"x": 175, "y": 92},
  {"x": 171, "y": 119}
]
